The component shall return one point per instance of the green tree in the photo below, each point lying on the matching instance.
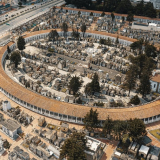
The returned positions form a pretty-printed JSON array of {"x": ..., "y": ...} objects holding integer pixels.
[
  {"x": 103, "y": 14},
  {"x": 131, "y": 76},
  {"x": 15, "y": 58},
  {"x": 117, "y": 40},
  {"x": 150, "y": 51},
  {"x": 149, "y": 10},
  {"x": 108, "y": 42},
  {"x": 74, "y": 84},
  {"x": 79, "y": 13},
  {"x": 6, "y": 144},
  {"x": 21, "y": 43},
  {"x": 64, "y": 28},
  {"x": 93, "y": 86},
  {"x": 117, "y": 128},
  {"x": 74, "y": 147},
  {"x": 83, "y": 28},
  {"x": 135, "y": 100},
  {"x": 136, "y": 128},
  {"x": 123, "y": 18},
  {"x": 137, "y": 45},
  {"x": 108, "y": 126},
  {"x": 124, "y": 6},
  {"x": 20, "y": 4},
  {"x": 53, "y": 35},
  {"x": 91, "y": 120},
  {"x": 139, "y": 8},
  {"x": 88, "y": 89},
  {"x": 112, "y": 16},
  {"x": 130, "y": 17},
  {"x": 8, "y": 49},
  {"x": 91, "y": 14},
  {"x": 145, "y": 84}
]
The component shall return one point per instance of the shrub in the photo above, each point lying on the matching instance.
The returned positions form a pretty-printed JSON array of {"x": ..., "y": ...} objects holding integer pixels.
[{"x": 135, "y": 100}]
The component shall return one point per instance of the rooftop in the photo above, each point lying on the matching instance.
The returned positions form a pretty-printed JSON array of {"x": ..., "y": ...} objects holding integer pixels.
[{"x": 10, "y": 124}]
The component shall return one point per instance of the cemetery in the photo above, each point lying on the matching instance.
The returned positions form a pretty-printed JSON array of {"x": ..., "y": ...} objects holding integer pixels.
[
  {"x": 49, "y": 73},
  {"x": 48, "y": 65}
]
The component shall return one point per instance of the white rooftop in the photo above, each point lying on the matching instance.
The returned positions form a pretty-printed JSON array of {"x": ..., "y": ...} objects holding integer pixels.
[
  {"x": 92, "y": 143},
  {"x": 144, "y": 149}
]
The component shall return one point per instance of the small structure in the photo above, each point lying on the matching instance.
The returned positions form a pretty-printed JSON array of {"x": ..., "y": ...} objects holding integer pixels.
[
  {"x": 6, "y": 106},
  {"x": 143, "y": 151},
  {"x": 155, "y": 81},
  {"x": 11, "y": 128},
  {"x": 41, "y": 121},
  {"x": 64, "y": 127},
  {"x": 1, "y": 147}
]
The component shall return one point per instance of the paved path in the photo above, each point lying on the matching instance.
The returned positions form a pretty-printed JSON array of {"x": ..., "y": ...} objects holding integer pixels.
[
  {"x": 111, "y": 146},
  {"x": 27, "y": 129}
]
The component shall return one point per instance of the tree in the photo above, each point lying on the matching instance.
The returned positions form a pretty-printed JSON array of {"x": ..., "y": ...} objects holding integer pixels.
[
  {"x": 136, "y": 128},
  {"x": 142, "y": 61},
  {"x": 21, "y": 43},
  {"x": 93, "y": 86},
  {"x": 139, "y": 8},
  {"x": 149, "y": 10},
  {"x": 8, "y": 49},
  {"x": 112, "y": 16},
  {"x": 91, "y": 120},
  {"x": 145, "y": 84},
  {"x": 131, "y": 76},
  {"x": 130, "y": 17},
  {"x": 83, "y": 28},
  {"x": 117, "y": 128},
  {"x": 15, "y": 58},
  {"x": 91, "y": 14},
  {"x": 117, "y": 40},
  {"x": 64, "y": 28},
  {"x": 103, "y": 14},
  {"x": 108, "y": 42},
  {"x": 150, "y": 51},
  {"x": 137, "y": 45},
  {"x": 74, "y": 147},
  {"x": 53, "y": 35},
  {"x": 108, "y": 126},
  {"x": 123, "y": 18},
  {"x": 6, "y": 144},
  {"x": 124, "y": 7},
  {"x": 135, "y": 100},
  {"x": 79, "y": 13},
  {"x": 74, "y": 84},
  {"x": 20, "y": 4}
]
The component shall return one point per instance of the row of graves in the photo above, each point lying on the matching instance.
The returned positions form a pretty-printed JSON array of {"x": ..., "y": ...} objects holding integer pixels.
[
  {"x": 39, "y": 148},
  {"x": 54, "y": 80},
  {"x": 56, "y": 135},
  {"x": 54, "y": 20},
  {"x": 106, "y": 24},
  {"x": 16, "y": 113},
  {"x": 151, "y": 36},
  {"x": 72, "y": 20}
]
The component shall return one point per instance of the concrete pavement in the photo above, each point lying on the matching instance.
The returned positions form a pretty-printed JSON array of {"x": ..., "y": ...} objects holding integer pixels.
[{"x": 28, "y": 16}]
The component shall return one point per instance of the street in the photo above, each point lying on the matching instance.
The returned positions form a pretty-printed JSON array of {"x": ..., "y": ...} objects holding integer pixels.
[{"x": 26, "y": 17}]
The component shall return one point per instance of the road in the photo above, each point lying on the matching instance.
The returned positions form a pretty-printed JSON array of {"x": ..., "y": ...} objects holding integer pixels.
[{"x": 28, "y": 16}]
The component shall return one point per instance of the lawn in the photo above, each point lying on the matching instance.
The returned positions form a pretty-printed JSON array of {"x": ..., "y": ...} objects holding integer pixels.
[{"x": 156, "y": 133}]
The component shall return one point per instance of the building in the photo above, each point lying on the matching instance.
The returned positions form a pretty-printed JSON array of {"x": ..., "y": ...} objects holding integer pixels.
[
  {"x": 6, "y": 106},
  {"x": 11, "y": 128},
  {"x": 155, "y": 81},
  {"x": 2, "y": 150},
  {"x": 95, "y": 148},
  {"x": 18, "y": 154},
  {"x": 10, "y": 2},
  {"x": 146, "y": 26}
]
